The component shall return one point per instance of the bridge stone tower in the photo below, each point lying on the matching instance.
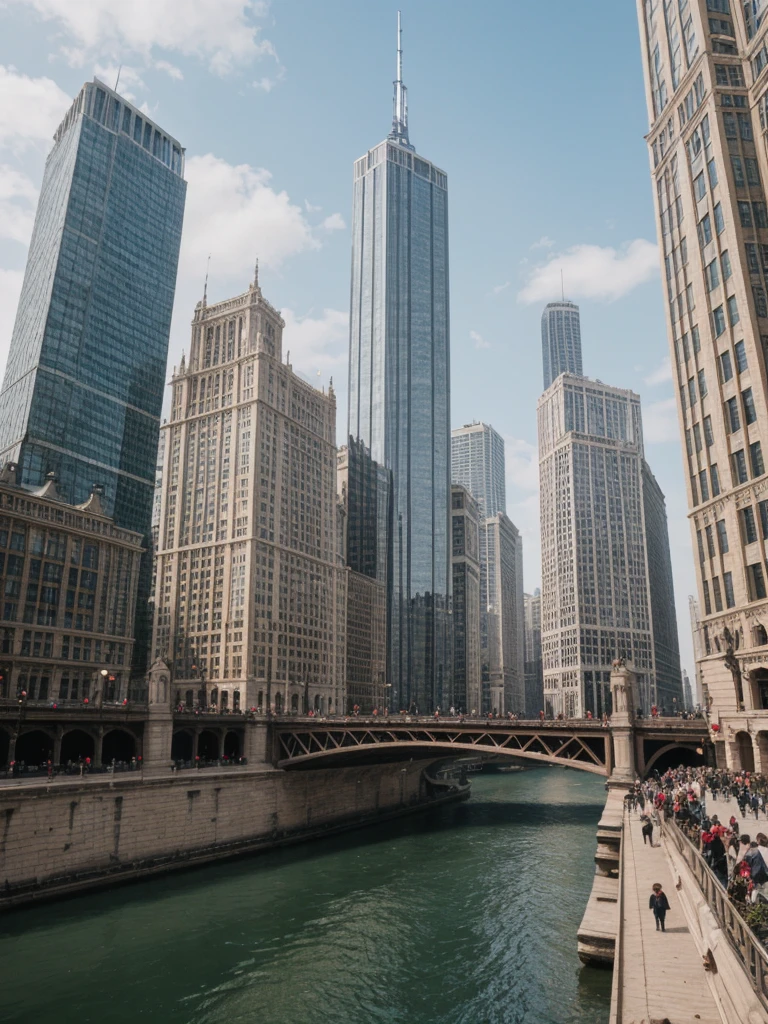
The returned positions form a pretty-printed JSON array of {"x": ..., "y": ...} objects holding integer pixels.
[
  {"x": 622, "y": 725},
  {"x": 158, "y": 734}
]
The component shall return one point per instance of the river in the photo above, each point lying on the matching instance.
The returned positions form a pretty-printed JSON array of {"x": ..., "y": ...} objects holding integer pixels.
[{"x": 464, "y": 915}]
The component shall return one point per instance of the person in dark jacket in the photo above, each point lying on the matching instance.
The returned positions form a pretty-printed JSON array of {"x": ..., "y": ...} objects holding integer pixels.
[
  {"x": 647, "y": 829},
  {"x": 659, "y": 904}
]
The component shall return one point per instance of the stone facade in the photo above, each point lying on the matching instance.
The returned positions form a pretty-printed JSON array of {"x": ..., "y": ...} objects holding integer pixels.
[
  {"x": 70, "y": 577},
  {"x": 708, "y": 118},
  {"x": 534, "y": 673},
  {"x": 250, "y": 592},
  {"x": 77, "y": 834},
  {"x": 465, "y": 562},
  {"x": 602, "y": 523},
  {"x": 503, "y": 657}
]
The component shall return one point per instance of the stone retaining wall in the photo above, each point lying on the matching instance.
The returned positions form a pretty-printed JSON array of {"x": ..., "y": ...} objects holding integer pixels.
[{"x": 75, "y": 834}]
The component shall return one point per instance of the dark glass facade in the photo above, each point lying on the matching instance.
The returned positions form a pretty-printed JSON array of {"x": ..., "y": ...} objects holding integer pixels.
[
  {"x": 399, "y": 403},
  {"x": 83, "y": 387}
]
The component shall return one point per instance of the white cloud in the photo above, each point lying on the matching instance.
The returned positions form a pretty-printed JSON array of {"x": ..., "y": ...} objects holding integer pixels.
[
  {"x": 522, "y": 463},
  {"x": 316, "y": 343},
  {"x": 30, "y": 109},
  {"x": 221, "y": 32},
  {"x": 661, "y": 375},
  {"x": 264, "y": 84},
  {"x": 10, "y": 289},
  {"x": 125, "y": 77},
  {"x": 334, "y": 222},
  {"x": 593, "y": 272},
  {"x": 310, "y": 208},
  {"x": 478, "y": 341},
  {"x": 18, "y": 196},
  {"x": 170, "y": 69},
  {"x": 660, "y": 424},
  {"x": 545, "y": 242},
  {"x": 501, "y": 288},
  {"x": 234, "y": 215}
]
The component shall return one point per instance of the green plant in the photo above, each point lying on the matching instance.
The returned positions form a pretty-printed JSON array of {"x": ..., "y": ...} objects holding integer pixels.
[{"x": 756, "y": 917}]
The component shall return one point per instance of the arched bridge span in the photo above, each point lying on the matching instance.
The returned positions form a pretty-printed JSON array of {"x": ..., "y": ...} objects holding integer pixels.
[
  {"x": 581, "y": 743},
  {"x": 320, "y": 745}
]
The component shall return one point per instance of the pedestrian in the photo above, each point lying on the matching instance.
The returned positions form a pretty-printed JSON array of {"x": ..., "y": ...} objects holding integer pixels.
[
  {"x": 754, "y": 803},
  {"x": 659, "y": 904},
  {"x": 647, "y": 829}
]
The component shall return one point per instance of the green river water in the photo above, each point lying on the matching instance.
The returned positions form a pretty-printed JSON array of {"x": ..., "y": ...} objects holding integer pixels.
[{"x": 464, "y": 915}]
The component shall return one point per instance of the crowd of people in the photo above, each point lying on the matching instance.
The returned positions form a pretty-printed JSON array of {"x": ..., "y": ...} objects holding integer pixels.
[{"x": 738, "y": 859}]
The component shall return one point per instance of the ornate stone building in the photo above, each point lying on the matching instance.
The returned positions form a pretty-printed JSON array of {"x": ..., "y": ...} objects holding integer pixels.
[
  {"x": 250, "y": 591},
  {"x": 69, "y": 578},
  {"x": 606, "y": 587},
  {"x": 707, "y": 96}
]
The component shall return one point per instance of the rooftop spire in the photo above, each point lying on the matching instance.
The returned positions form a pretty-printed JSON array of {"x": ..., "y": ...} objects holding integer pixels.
[{"x": 399, "y": 131}]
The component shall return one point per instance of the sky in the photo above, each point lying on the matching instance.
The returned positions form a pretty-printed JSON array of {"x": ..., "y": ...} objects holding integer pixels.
[{"x": 535, "y": 111}]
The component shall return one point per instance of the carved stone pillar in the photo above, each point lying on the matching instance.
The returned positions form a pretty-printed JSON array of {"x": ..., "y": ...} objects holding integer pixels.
[
  {"x": 622, "y": 726},
  {"x": 158, "y": 730}
]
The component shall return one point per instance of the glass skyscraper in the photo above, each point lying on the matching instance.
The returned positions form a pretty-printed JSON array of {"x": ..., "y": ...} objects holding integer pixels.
[
  {"x": 560, "y": 340},
  {"x": 83, "y": 387},
  {"x": 399, "y": 393}
]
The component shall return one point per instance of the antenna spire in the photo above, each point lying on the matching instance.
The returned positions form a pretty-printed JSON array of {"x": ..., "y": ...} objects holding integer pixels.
[
  {"x": 205, "y": 286},
  {"x": 399, "y": 131}
]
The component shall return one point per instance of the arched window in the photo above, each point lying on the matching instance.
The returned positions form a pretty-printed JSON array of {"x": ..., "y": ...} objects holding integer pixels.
[
  {"x": 224, "y": 699},
  {"x": 214, "y": 696},
  {"x": 260, "y": 700},
  {"x": 236, "y": 700},
  {"x": 760, "y": 635},
  {"x": 317, "y": 702},
  {"x": 295, "y": 702},
  {"x": 189, "y": 698},
  {"x": 278, "y": 703}
]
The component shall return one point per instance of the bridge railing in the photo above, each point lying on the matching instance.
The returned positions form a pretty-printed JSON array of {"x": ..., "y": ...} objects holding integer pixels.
[{"x": 747, "y": 946}]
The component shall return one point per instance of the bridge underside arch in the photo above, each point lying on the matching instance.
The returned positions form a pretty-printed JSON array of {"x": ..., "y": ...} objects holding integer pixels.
[
  {"x": 672, "y": 755},
  {"x": 324, "y": 750}
]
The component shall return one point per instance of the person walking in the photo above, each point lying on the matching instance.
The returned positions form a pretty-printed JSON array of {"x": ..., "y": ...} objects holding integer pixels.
[
  {"x": 659, "y": 904},
  {"x": 647, "y": 829},
  {"x": 754, "y": 803}
]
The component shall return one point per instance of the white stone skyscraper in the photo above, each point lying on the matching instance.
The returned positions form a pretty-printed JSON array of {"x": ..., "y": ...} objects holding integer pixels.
[
  {"x": 560, "y": 340},
  {"x": 250, "y": 590},
  {"x": 504, "y": 616},
  {"x": 706, "y": 81},
  {"x": 534, "y": 676},
  {"x": 606, "y": 568},
  {"x": 477, "y": 463}
]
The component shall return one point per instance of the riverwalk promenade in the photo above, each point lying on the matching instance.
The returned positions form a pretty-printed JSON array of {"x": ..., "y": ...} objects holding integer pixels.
[{"x": 660, "y": 973}]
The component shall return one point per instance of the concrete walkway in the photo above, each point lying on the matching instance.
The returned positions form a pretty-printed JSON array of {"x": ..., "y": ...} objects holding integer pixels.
[
  {"x": 662, "y": 976},
  {"x": 725, "y": 808}
]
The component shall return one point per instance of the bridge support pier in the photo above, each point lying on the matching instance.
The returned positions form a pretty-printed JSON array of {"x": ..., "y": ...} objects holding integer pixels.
[
  {"x": 622, "y": 727},
  {"x": 158, "y": 730},
  {"x": 600, "y": 924}
]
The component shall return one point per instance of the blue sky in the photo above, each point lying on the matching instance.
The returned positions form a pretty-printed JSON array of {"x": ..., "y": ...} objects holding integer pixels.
[{"x": 535, "y": 111}]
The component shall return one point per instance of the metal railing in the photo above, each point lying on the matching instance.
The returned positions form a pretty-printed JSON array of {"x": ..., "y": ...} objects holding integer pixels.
[{"x": 748, "y": 948}]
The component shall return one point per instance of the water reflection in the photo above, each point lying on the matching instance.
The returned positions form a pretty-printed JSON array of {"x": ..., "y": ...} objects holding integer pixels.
[{"x": 467, "y": 915}]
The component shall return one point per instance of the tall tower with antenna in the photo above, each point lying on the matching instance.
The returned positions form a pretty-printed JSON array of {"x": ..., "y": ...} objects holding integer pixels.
[{"x": 399, "y": 404}]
